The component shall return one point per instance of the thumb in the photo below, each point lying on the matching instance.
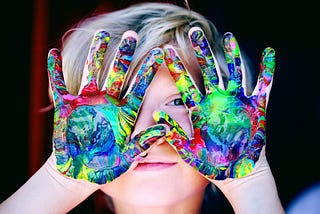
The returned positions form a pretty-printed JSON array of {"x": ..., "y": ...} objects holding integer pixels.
[
  {"x": 142, "y": 141},
  {"x": 176, "y": 137},
  {"x": 173, "y": 126}
]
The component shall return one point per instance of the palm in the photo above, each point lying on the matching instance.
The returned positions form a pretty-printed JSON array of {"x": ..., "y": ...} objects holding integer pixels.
[{"x": 228, "y": 124}]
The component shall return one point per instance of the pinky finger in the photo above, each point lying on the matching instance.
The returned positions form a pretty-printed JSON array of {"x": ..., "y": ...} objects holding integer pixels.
[
  {"x": 265, "y": 79},
  {"x": 55, "y": 75}
]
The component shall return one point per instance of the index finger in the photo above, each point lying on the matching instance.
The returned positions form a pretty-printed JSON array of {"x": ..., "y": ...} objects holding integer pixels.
[
  {"x": 190, "y": 94},
  {"x": 206, "y": 59},
  {"x": 134, "y": 95}
]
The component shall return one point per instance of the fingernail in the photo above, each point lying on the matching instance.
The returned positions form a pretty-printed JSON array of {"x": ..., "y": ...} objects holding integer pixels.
[
  {"x": 230, "y": 42},
  {"x": 128, "y": 46},
  {"x": 197, "y": 37},
  {"x": 158, "y": 55}
]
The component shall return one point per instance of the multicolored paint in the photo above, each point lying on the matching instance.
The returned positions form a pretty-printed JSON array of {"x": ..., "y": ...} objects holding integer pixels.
[
  {"x": 120, "y": 66},
  {"x": 229, "y": 126},
  {"x": 90, "y": 129}
]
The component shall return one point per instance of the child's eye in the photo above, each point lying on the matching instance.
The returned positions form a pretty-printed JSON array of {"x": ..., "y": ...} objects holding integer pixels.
[{"x": 176, "y": 102}]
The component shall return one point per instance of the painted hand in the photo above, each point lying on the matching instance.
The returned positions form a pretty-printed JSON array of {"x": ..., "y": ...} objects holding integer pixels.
[
  {"x": 91, "y": 128},
  {"x": 229, "y": 126}
]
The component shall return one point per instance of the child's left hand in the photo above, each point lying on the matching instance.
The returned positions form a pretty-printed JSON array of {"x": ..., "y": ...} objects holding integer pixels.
[{"x": 229, "y": 126}]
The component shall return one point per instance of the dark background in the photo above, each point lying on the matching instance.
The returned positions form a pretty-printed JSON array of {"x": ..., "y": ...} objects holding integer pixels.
[{"x": 293, "y": 112}]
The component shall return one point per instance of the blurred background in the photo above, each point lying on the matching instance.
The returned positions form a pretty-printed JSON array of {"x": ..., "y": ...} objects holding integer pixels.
[{"x": 293, "y": 115}]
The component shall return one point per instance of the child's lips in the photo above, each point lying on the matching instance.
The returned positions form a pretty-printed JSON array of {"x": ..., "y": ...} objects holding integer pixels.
[
  {"x": 154, "y": 163},
  {"x": 153, "y": 166}
]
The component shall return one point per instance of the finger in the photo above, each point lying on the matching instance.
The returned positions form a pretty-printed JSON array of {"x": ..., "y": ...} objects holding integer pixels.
[
  {"x": 173, "y": 126},
  {"x": 121, "y": 63},
  {"x": 141, "y": 82},
  {"x": 206, "y": 59},
  {"x": 132, "y": 100},
  {"x": 176, "y": 137},
  {"x": 146, "y": 138},
  {"x": 94, "y": 62},
  {"x": 265, "y": 79},
  {"x": 190, "y": 94},
  {"x": 233, "y": 58},
  {"x": 55, "y": 75}
]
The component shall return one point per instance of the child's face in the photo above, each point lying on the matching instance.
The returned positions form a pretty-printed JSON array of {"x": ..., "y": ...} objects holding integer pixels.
[{"x": 163, "y": 178}]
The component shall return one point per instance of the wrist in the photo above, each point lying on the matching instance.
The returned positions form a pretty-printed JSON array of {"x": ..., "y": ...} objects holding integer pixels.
[
  {"x": 254, "y": 193},
  {"x": 81, "y": 188},
  {"x": 48, "y": 190}
]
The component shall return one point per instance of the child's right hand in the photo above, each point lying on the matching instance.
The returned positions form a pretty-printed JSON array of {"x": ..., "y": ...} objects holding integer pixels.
[{"x": 91, "y": 128}]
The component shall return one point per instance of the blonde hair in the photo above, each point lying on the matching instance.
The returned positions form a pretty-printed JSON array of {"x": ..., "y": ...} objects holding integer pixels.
[{"x": 156, "y": 24}]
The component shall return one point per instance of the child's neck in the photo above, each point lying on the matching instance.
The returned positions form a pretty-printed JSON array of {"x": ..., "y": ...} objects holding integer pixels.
[{"x": 191, "y": 205}]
